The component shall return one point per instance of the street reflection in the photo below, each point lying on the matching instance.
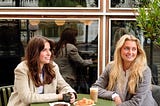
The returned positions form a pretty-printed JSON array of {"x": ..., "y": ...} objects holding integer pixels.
[{"x": 49, "y": 3}]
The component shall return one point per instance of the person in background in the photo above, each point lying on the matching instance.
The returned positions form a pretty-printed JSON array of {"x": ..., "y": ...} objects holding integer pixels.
[
  {"x": 67, "y": 56},
  {"x": 127, "y": 79},
  {"x": 117, "y": 35},
  {"x": 37, "y": 78}
]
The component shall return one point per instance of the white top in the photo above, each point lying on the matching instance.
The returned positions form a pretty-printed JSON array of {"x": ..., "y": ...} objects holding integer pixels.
[{"x": 40, "y": 88}]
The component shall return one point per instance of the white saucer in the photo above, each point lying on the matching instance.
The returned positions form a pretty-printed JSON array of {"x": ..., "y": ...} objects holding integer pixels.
[{"x": 64, "y": 103}]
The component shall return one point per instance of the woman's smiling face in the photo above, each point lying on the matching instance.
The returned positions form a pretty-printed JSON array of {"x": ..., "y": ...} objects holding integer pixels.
[
  {"x": 45, "y": 54},
  {"x": 129, "y": 51}
]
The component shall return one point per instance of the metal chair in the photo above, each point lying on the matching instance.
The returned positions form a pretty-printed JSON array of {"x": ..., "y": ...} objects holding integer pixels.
[
  {"x": 5, "y": 92},
  {"x": 156, "y": 93}
]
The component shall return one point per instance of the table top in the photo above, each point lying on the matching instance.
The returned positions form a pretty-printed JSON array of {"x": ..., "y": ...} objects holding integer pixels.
[{"x": 101, "y": 102}]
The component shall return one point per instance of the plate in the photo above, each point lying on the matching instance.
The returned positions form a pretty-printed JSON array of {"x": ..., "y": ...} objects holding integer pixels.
[
  {"x": 75, "y": 104},
  {"x": 59, "y": 104},
  {"x": 84, "y": 102}
]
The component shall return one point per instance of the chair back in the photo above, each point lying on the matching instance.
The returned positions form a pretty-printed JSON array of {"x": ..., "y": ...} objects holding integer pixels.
[
  {"x": 5, "y": 92},
  {"x": 156, "y": 93}
]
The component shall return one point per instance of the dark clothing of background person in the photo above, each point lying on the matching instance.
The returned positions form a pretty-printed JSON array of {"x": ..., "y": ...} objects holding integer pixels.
[{"x": 67, "y": 56}]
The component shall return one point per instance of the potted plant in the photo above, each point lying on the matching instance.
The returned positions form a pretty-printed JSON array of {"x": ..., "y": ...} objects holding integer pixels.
[{"x": 148, "y": 20}]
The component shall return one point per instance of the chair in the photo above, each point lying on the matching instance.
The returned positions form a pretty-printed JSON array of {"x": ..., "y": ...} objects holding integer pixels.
[
  {"x": 156, "y": 93},
  {"x": 5, "y": 92}
]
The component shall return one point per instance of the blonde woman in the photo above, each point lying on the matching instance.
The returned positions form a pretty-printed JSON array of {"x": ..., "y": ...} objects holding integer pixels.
[{"x": 127, "y": 79}]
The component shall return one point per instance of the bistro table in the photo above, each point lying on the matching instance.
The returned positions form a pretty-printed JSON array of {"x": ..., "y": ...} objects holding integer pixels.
[{"x": 101, "y": 102}]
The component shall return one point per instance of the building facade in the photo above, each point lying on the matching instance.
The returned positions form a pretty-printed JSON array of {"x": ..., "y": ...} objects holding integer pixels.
[{"x": 99, "y": 23}]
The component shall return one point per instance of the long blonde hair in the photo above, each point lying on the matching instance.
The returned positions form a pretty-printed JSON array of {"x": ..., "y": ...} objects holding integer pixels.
[{"x": 137, "y": 67}]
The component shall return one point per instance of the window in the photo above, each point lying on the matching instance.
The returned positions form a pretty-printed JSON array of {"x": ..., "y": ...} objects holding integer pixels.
[
  {"x": 121, "y": 26},
  {"x": 50, "y": 3},
  {"x": 127, "y": 3}
]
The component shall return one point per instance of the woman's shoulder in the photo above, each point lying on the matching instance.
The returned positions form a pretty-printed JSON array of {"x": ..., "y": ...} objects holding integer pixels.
[
  {"x": 147, "y": 69},
  {"x": 110, "y": 64},
  {"x": 69, "y": 45},
  {"x": 147, "y": 72},
  {"x": 55, "y": 66},
  {"x": 108, "y": 67},
  {"x": 22, "y": 64},
  {"x": 71, "y": 48}
]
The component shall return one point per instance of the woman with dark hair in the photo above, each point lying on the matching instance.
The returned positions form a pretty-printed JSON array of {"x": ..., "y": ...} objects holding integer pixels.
[
  {"x": 67, "y": 56},
  {"x": 37, "y": 78}
]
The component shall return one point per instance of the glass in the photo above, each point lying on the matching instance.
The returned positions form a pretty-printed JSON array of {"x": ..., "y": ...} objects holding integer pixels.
[
  {"x": 49, "y": 3},
  {"x": 15, "y": 34},
  {"x": 121, "y": 26},
  {"x": 94, "y": 94},
  {"x": 127, "y": 3}
]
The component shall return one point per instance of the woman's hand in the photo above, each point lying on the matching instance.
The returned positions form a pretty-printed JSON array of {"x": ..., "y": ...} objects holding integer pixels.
[
  {"x": 60, "y": 97},
  {"x": 117, "y": 100},
  {"x": 73, "y": 98}
]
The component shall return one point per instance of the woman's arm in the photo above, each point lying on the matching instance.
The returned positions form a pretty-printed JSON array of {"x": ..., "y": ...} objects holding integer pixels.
[
  {"x": 25, "y": 88},
  {"x": 102, "y": 83},
  {"x": 63, "y": 87},
  {"x": 74, "y": 55},
  {"x": 27, "y": 91}
]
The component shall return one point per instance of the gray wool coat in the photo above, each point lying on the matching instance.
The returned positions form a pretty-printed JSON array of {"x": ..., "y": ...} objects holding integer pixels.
[
  {"x": 67, "y": 61},
  {"x": 143, "y": 96}
]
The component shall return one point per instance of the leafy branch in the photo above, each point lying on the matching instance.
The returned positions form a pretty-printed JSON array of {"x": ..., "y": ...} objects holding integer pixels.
[{"x": 149, "y": 20}]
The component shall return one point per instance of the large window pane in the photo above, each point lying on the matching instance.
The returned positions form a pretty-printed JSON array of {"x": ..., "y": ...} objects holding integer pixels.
[
  {"x": 49, "y": 3},
  {"x": 15, "y": 34}
]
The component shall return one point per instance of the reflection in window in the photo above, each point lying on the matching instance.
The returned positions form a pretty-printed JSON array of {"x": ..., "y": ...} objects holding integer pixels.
[
  {"x": 87, "y": 39},
  {"x": 121, "y": 27},
  {"x": 53, "y": 28},
  {"x": 23, "y": 30},
  {"x": 15, "y": 34},
  {"x": 48, "y": 3},
  {"x": 128, "y": 3},
  {"x": 10, "y": 43}
]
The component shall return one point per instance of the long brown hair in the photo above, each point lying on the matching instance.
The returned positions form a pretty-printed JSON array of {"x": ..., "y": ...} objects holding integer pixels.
[
  {"x": 68, "y": 35},
  {"x": 137, "y": 67},
  {"x": 34, "y": 47}
]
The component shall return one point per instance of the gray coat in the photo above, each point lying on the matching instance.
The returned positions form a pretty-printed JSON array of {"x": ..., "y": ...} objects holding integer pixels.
[
  {"x": 143, "y": 96},
  {"x": 67, "y": 63}
]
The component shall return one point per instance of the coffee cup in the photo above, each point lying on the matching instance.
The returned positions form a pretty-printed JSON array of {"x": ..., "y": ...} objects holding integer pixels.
[{"x": 94, "y": 93}]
